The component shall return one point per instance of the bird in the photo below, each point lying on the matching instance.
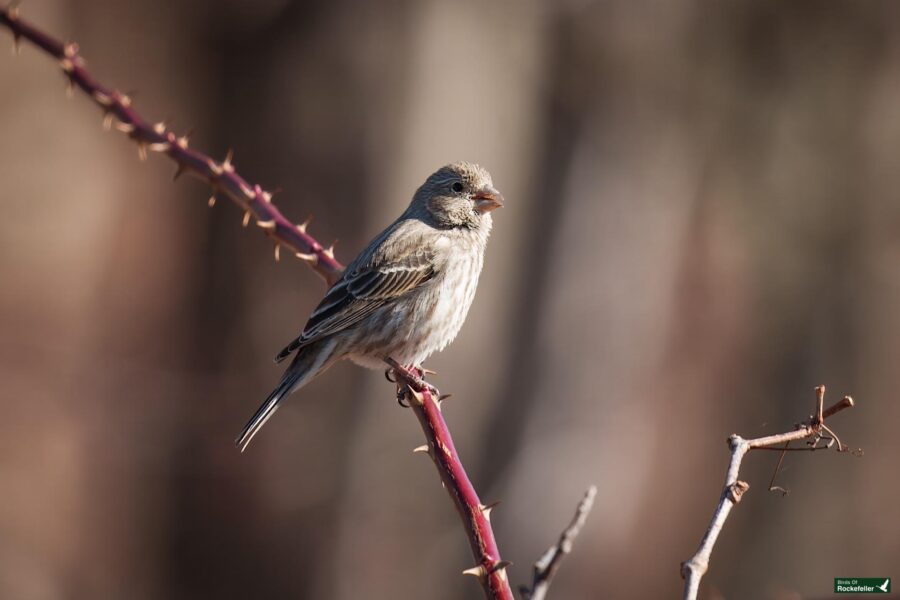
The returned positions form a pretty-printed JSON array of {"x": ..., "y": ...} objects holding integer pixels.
[{"x": 406, "y": 295}]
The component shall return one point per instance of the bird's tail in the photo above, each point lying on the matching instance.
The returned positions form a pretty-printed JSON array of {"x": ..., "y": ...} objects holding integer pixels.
[{"x": 308, "y": 363}]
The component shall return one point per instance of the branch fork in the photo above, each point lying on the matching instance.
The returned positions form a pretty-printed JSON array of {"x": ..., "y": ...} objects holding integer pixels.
[{"x": 814, "y": 430}]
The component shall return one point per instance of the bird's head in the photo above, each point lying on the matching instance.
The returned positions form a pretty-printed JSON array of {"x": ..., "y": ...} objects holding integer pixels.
[{"x": 458, "y": 195}]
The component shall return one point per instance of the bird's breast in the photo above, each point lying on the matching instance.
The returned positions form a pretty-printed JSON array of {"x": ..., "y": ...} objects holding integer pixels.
[{"x": 428, "y": 318}]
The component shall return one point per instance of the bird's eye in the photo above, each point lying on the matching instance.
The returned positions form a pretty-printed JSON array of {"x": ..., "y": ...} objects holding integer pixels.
[{"x": 457, "y": 187}]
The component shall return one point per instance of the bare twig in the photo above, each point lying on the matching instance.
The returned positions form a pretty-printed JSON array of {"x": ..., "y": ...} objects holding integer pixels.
[
  {"x": 545, "y": 568},
  {"x": 813, "y": 430},
  {"x": 490, "y": 569},
  {"x": 221, "y": 176}
]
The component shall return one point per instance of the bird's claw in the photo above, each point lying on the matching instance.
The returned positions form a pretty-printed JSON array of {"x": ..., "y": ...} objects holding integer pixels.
[{"x": 404, "y": 389}]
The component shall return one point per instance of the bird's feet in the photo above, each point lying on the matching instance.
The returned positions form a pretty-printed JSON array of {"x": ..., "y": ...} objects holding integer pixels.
[{"x": 412, "y": 378}]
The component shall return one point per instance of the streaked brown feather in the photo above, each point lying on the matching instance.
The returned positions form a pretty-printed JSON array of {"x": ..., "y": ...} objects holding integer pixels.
[{"x": 363, "y": 289}]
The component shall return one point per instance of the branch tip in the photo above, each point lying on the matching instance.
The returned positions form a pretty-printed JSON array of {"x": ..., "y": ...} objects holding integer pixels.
[{"x": 546, "y": 566}]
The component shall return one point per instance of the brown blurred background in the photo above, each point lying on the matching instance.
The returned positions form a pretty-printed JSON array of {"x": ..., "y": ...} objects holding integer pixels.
[{"x": 701, "y": 225}]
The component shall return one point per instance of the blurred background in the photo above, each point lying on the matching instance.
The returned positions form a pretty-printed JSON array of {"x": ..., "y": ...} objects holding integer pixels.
[{"x": 701, "y": 225}]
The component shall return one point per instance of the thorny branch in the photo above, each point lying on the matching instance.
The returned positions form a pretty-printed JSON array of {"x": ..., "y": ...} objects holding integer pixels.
[
  {"x": 819, "y": 437},
  {"x": 424, "y": 400},
  {"x": 157, "y": 137},
  {"x": 545, "y": 568},
  {"x": 490, "y": 569}
]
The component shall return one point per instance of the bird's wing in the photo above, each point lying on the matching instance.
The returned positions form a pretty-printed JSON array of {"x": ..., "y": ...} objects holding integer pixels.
[{"x": 389, "y": 271}]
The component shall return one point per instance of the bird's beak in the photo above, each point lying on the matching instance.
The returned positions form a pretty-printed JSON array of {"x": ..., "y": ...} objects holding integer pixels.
[{"x": 487, "y": 199}]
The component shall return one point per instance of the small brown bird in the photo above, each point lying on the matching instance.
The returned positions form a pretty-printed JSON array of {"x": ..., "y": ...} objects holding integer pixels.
[{"x": 406, "y": 295}]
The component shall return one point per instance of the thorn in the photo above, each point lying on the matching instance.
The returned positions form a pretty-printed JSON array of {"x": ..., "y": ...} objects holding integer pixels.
[
  {"x": 212, "y": 201},
  {"x": 267, "y": 197},
  {"x": 422, "y": 448},
  {"x": 160, "y": 146},
  {"x": 159, "y": 128},
  {"x": 125, "y": 100},
  {"x": 487, "y": 508},
  {"x": 17, "y": 43},
  {"x": 277, "y": 252},
  {"x": 329, "y": 252},
  {"x": 101, "y": 98},
  {"x": 302, "y": 226},
  {"x": 226, "y": 164},
  {"x": 107, "y": 121},
  {"x": 310, "y": 258},
  {"x": 124, "y": 127},
  {"x": 428, "y": 371},
  {"x": 142, "y": 151},
  {"x": 179, "y": 171},
  {"x": 269, "y": 225},
  {"x": 476, "y": 571},
  {"x": 501, "y": 565},
  {"x": 216, "y": 169},
  {"x": 246, "y": 218},
  {"x": 420, "y": 399},
  {"x": 12, "y": 11},
  {"x": 247, "y": 192},
  {"x": 66, "y": 65},
  {"x": 70, "y": 89},
  {"x": 70, "y": 50},
  {"x": 182, "y": 142},
  {"x": 444, "y": 397}
]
